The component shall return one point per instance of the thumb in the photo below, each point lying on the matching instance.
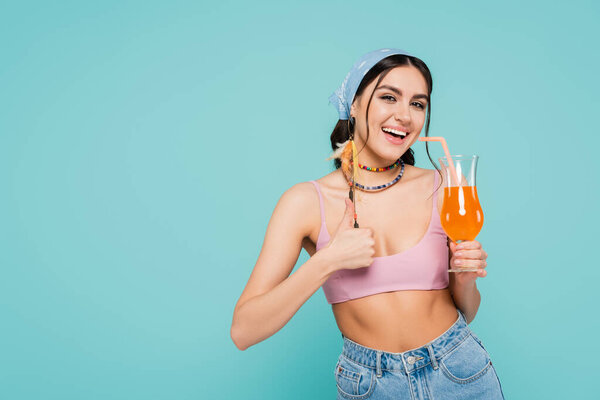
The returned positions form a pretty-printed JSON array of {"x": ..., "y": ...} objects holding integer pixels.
[{"x": 348, "y": 218}]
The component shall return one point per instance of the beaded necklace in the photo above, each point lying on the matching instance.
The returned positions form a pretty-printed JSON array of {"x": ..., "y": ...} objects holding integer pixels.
[{"x": 375, "y": 169}]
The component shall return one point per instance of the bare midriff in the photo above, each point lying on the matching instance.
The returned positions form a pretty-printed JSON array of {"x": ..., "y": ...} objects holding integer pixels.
[{"x": 395, "y": 322}]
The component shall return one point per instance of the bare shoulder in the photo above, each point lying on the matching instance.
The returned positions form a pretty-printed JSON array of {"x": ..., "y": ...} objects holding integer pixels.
[
  {"x": 304, "y": 200},
  {"x": 333, "y": 180},
  {"x": 426, "y": 178},
  {"x": 425, "y": 174},
  {"x": 422, "y": 175},
  {"x": 300, "y": 201},
  {"x": 299, "y": 193}
]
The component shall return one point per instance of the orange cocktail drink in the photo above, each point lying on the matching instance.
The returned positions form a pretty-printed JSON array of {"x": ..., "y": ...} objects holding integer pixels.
[{"x": 461, "y": 216}]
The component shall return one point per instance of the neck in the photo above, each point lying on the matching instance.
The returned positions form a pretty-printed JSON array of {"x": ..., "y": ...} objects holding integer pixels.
[
  {"x": 373, "y": 178},
  {"x": 368, "y": 158}
]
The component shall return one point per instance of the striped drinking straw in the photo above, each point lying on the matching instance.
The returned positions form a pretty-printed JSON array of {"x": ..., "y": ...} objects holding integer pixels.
[{"x": 445, "y": 146}]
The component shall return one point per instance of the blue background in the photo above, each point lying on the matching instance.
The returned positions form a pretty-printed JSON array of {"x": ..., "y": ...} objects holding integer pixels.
[{"x": 144, "y": 145}]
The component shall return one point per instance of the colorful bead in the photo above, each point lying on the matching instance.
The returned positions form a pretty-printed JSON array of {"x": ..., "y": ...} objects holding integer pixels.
[
  {"x": 378, "y": 169},
  {"x": 380, "y": 187}
]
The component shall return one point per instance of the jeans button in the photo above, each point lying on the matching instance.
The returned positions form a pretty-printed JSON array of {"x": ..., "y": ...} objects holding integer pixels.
[{"x": 410, "y": 359}]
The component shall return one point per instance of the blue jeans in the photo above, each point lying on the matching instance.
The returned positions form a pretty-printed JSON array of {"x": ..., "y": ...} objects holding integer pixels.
[{"x": 455, "y": 365}]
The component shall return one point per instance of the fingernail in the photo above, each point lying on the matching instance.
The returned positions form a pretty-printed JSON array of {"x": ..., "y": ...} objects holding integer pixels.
[
  {"x": 458, "y": 254},
  {"x": 458, "y": 262}
]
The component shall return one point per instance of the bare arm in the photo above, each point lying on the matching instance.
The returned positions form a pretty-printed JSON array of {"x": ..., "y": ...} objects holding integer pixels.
[
  {"x": 262, "y": 316},
  {"x": 272, "y": 296},
  {"x": 466, "y": 297},
  {"x": 465, "y": 294}
]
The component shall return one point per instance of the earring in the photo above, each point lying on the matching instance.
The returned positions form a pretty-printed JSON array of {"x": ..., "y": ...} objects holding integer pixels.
[{"x": 351, "y": 122}]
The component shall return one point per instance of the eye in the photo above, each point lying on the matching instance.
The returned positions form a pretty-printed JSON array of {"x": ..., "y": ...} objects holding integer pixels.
[
  {"x": 421, "y": 106},
  {"x": 388, "y": 97}
]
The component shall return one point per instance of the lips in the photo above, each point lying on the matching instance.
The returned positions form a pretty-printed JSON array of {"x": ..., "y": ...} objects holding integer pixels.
[
  {"x": 398, "y": 130},
  {"x": 394, "y": 139}
]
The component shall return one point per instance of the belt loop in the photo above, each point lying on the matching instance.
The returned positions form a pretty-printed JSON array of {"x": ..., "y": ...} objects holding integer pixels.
[
  {"x": 404, "y": 363},
  {"x": 379, "y": 363},
  {"x": 432, "y": 357}
]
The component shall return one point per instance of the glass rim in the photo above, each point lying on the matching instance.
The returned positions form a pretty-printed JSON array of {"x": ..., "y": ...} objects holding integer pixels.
[{"x": 460, "y": 156}]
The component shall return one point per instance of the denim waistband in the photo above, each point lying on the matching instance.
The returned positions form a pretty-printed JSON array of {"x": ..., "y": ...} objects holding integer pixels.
[{"x": 412, "y": 359}]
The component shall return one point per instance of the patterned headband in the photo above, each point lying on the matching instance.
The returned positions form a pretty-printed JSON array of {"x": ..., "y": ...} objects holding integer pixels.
[{"x": 343, "y": 97}]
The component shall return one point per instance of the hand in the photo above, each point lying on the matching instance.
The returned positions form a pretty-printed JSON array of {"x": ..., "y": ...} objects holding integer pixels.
[
  {"x": 350, "y": 247},
  {"x": 470, "y": 254}
]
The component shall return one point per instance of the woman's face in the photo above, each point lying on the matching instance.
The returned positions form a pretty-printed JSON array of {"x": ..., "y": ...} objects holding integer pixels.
[{"x": 399, "y": 103}]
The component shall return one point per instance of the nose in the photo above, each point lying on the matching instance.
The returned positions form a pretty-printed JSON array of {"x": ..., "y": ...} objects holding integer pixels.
[{"x": 402, "y": 114}]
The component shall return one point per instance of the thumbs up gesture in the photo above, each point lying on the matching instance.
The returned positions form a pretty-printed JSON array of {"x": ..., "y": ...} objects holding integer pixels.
[{"x": 350, "y": 247}]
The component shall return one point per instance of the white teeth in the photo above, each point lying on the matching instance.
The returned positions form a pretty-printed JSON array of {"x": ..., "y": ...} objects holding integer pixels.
[{"x": 403, "y": 134}]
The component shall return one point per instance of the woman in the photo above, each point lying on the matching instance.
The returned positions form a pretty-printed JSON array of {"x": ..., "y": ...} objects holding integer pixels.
[{"x": 372, "y": 228}]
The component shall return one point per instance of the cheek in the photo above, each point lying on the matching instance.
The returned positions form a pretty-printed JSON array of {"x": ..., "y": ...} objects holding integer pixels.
[
  {"x": 377, "y": 118},
  {"x": 419, "y": 120}
]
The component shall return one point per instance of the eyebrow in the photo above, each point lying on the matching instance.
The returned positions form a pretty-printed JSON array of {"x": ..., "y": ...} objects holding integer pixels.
[{"x": 399, "y": 93}]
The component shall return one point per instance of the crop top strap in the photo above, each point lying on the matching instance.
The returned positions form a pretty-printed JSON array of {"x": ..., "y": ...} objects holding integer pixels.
[{"x": 320, "y": 203}]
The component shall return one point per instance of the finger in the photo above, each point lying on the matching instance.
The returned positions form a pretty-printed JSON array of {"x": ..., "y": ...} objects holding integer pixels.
[
  {"x": 469, "y": 245},
  {"x": 463, "y": 262},
  {"x": 472, "y": 254}
]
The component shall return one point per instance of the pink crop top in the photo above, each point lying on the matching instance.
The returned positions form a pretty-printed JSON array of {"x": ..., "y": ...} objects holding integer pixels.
[{"x": 421, "y": 267}]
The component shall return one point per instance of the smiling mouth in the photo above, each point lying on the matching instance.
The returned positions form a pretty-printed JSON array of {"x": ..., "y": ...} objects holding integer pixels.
[{"x": 395, "y": 133}]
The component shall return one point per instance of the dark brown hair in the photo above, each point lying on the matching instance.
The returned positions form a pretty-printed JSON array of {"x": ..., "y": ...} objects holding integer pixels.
[{"x": 340, "y": 133}]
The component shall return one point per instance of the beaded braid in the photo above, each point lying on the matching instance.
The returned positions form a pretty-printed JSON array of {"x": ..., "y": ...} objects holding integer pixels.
[{"x": 349, "y": 167}]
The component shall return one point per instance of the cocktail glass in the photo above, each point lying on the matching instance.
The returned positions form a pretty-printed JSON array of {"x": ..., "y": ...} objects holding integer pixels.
[{"x": 461, "y": 216}]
